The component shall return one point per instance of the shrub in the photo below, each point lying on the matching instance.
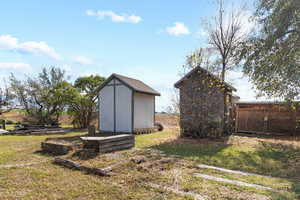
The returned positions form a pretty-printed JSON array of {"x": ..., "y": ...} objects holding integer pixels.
[{"x": 9, "y": 122}]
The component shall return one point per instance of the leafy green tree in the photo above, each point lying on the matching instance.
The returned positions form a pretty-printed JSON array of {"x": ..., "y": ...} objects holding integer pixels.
[
  {"x": 272, "y": 55},
  {"x": 44, "y": 97},
  {"x": 84, "y": 104}
]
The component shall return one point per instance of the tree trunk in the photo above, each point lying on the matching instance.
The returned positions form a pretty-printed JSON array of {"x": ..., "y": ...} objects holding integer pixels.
[{"x": 225, "y": 123}]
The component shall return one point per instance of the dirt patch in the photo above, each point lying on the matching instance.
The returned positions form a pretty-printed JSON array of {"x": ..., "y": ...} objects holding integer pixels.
[{"x": 145, "y": 163}]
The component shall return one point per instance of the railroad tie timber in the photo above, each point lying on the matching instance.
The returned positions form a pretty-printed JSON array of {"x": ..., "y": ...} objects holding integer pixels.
[
  {"x": 74, "y": 165},
  {"x": 109, "y": 144}
]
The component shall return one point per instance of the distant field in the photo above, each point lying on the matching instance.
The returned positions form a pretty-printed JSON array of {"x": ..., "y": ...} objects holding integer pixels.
[{"x": 168, "y": 120}]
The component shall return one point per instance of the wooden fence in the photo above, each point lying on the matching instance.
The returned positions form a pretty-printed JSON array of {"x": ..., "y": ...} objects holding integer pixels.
[{"x": 271, "y": 118}]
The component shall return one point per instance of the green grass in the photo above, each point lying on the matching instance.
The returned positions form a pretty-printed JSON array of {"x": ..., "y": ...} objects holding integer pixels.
[
  {"x": 280, "y": 159},
  {"x": 257, "y": 156},
  {"x": 148, "y": 140},
  {"x": 19, "y": 111},
  {"x": 265, "y": 158}
]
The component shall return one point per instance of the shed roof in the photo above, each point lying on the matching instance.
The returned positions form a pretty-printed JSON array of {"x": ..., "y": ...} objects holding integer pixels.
[
  {"x": 134, "y": 84},
  {"x": 197, "y": 69}
]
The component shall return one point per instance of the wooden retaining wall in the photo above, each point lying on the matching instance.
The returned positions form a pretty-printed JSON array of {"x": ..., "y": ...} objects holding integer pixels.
[{"x": 109, "y": 144}]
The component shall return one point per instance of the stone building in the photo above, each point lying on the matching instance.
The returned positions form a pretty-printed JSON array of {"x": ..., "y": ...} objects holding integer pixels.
[{"x": 202, "y": 100}]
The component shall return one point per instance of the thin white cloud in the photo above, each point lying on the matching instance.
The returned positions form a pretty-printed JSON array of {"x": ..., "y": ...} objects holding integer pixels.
[
  {"x": 15, "y": 65},
  {"x": 82, "y": 60},
  {"x": 114, "y": 16},
  {"x": 179, "y": 28},
  {"x": 66, "y": 68},
  {"x": 8, "y": 42}
]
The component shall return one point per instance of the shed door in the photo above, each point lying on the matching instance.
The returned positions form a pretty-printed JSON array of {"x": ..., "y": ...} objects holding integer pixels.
[{"x": 116, "y": 108}]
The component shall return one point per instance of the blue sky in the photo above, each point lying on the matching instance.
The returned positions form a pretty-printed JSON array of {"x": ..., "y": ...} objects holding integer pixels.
[{"x": 147, "y": 40}]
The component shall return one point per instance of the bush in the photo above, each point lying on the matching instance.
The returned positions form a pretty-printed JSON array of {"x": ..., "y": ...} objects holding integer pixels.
[{"x": 9, "y": 122}]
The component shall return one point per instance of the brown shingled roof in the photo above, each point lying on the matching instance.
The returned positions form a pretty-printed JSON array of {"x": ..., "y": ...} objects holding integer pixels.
[
  {"x": 134, "y": 84},
  {"x": 205, "y": 71}
]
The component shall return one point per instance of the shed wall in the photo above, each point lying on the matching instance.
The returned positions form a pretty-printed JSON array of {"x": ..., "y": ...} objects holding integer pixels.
[
  {"x": 143, "y": 111},
  {"x": 123, "y": 109},
  {"x": 106, "y": 109}
]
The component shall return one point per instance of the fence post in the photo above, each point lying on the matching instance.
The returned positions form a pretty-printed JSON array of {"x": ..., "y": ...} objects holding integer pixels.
[{"x": 92, "y": 130}]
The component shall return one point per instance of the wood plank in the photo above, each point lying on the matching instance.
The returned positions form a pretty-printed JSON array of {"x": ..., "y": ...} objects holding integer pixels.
[
  {"x": 115, "y": 148},
  {"x": 117, "y": 143},
  {"x": 107, "y": 139},
  {"x": 117, "y": 140},
  {"x": 78, "y": 166}
]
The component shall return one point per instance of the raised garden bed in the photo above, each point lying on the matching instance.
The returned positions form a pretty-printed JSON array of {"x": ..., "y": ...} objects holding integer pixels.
[
  {"x": 109, "y": 144},
  {"x": 60, "y": 146}
]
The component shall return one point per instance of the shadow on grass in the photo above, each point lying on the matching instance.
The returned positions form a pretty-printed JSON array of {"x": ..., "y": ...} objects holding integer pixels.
[{"x": 265, "y": 158}]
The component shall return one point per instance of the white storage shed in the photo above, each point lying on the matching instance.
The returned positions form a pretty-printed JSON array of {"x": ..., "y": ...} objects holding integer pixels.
[{"x": 126, "y": 105}]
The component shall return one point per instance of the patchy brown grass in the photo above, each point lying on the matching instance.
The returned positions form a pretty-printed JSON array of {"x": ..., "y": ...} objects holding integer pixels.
[{"x": 160, "y": 158}]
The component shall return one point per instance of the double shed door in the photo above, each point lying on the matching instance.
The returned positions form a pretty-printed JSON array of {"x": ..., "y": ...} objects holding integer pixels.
[{"x": 116, "y": 108}]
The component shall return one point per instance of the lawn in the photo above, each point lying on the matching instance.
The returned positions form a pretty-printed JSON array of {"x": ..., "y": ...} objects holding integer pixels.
[{"x": 169, "y": 161}]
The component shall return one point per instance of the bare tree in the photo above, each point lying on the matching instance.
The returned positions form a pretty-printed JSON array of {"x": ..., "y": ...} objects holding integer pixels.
[
  {"x": 225, "y": 35},
  {"x": 173, "y": 108}
]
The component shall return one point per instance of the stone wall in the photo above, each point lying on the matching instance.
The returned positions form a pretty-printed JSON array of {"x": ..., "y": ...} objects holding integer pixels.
[{"x": 201, "y": 106}]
